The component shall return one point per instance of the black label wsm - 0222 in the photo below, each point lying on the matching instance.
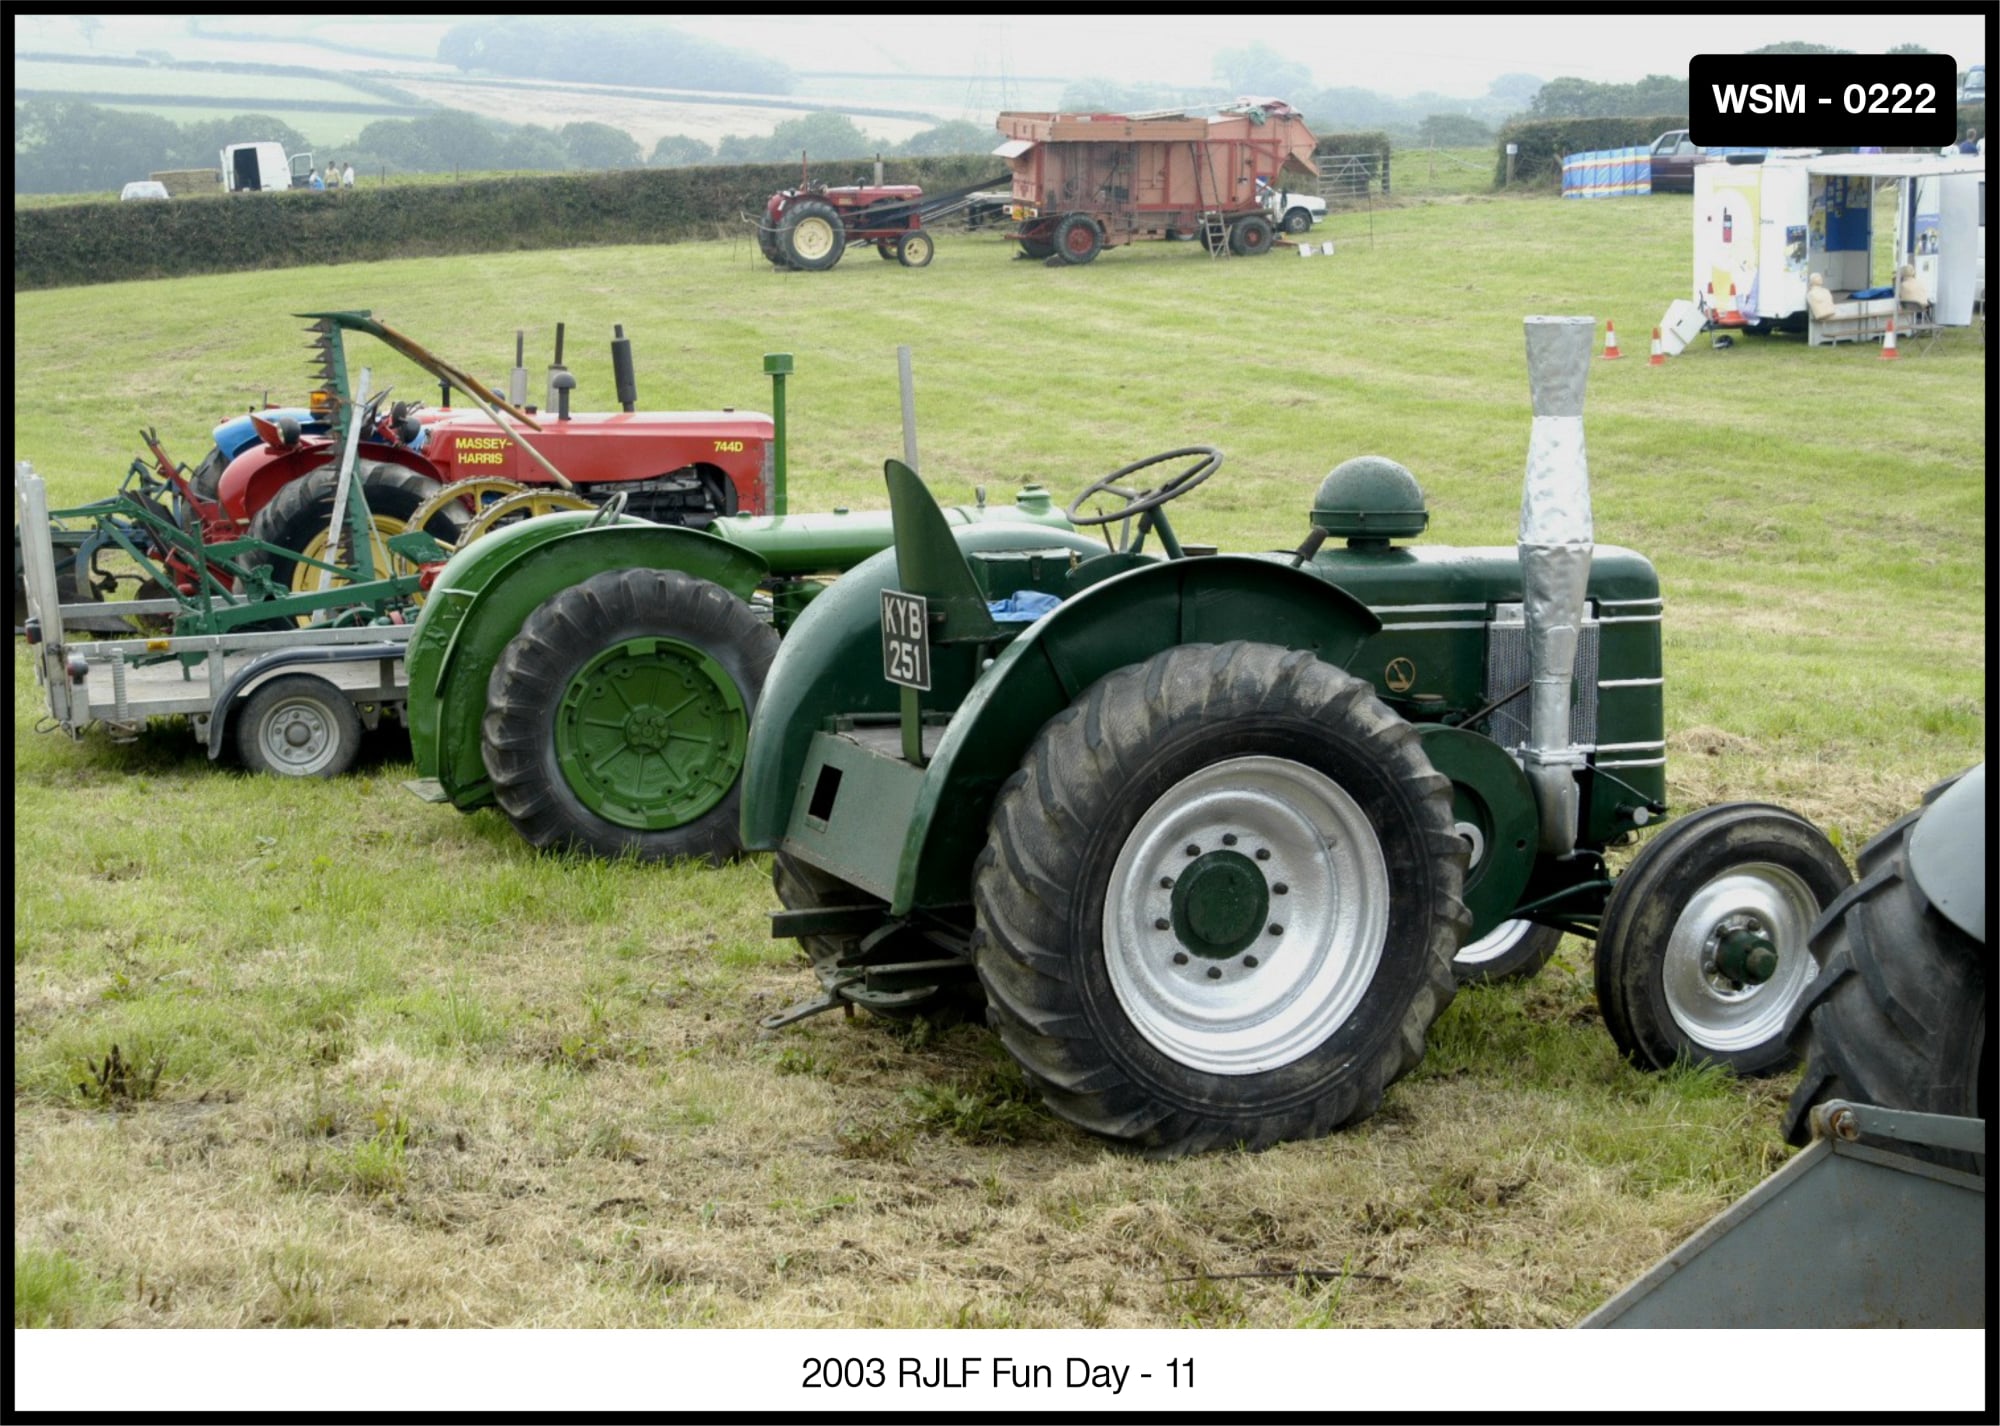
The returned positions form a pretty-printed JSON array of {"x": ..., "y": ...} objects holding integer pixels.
[{"x": 1822, "y": 100}]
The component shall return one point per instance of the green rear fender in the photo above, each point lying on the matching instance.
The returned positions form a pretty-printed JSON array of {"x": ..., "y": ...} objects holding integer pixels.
[
  {"x": 486, "y": 592},
  {"x": 1123, "y": 620},
  {"x": 831, "y": 664}
]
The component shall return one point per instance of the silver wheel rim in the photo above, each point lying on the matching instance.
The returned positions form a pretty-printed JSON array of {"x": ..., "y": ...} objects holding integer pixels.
[
  {"x": 298, "y": 737},
  {"x": 1712, "y": 1010},
  {"x": 1494, "y": 945},
  {"x": 1305, "y": 972}
]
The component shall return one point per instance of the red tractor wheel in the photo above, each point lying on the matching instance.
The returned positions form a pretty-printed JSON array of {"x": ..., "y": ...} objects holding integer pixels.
[
  {"x": 915, "y": 249},
  {"x": 1078, "y": 239},
  {"x": 811, "y": 235}
]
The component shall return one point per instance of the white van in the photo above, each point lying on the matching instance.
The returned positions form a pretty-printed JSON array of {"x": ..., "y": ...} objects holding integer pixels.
[{"x": 251, "y": 168}]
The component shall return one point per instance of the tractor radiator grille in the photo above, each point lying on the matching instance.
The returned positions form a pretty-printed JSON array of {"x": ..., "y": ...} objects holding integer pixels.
[{"x": 1507, "y": 670}]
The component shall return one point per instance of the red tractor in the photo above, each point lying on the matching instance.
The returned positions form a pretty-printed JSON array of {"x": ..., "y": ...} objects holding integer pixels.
[
  {"x": 455, "y": 472},
  {"x": 810, "y": 227}
]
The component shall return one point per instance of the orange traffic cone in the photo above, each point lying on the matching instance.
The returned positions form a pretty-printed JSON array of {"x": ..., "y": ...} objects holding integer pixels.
[
  {"x": 1889, "y": 342},
  {"x": 1659, "y": 357},
  {"x": 1611, "y": 352}
]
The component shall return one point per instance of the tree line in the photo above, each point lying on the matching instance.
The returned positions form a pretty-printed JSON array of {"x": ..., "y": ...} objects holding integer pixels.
[{"x": 70, "y": 146}]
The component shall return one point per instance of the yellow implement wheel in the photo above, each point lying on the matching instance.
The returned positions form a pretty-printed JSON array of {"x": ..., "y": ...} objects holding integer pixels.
[
  {"x": 471, "y": 495},
  {"x": 305, "y": 577},
  {"x": 527, "y": 504}
]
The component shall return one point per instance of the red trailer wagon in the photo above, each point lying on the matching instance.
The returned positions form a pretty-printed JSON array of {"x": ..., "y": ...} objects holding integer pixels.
[{"x": 1086, "y": 182}]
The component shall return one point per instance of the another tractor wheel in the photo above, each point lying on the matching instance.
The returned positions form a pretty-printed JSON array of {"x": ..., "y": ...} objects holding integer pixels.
[
  {"x": 296, "y": 519},
  {"x": 915, "y": 249},
  {"x": 811, "y": 235},
  {"x": 802, "y": 886},
  {"x": 1298, "y": 220},
  {"x": 886, "y": 251},
  {"x": 298, "y": 726},
  {"x": 1039, "y": 249},
  {"x": 206, "y": 480},
  {"x": 1217, "y": 905},
  {"x": 1702, "y": 954},
  {"x": 1078, "y": 239},
  {"x": 1251, "y": 236},
  {"x": 1513, "y": 950},
  {"x": 616, "y": 719},
  {"x": 1897, "y": 1015},
  {"x": 768, "y": 244}
]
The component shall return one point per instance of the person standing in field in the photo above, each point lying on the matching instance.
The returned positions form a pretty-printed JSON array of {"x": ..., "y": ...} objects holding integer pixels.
[{"x": 347, "y": 175}]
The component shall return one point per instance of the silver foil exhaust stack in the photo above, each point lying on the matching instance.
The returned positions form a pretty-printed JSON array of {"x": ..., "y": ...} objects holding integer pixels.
[{"x": 1555, "y": 544}]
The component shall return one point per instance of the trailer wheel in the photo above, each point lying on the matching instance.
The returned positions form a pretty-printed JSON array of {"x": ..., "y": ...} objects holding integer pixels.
[
  {"x": 1513, "y": 950},
  {"x": 1218, "y": 903},
  {"x": 616, "y": 719},
  {"x": 1702, "y": 954},
  {"x": 1037, "y": 249},
  {"x": 296, "y": 519},
  {"x": 1897, "y": 1014},
  {"x": 298, "y": 725},
  {"x": 915, "y": 249},
  {"x": 1078, "y": 239},
  {"x": 800, "y": 886},
  {"x": 1251, "y": 236},
  {"x": 1298, "y": 220},
  {"x": 812, "y": 236}
]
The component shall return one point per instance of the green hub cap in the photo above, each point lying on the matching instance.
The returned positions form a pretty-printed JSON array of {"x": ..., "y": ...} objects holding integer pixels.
[
  {"x": 1745, "y": 954},
  {"x": 650, "y": 734},
  {"x": 1219, "y": 904}
]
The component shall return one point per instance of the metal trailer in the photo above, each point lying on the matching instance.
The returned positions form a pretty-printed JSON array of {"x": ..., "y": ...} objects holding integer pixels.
[
  {"x": 1844, "y": 1235},
  {"x": 1765, "y": 226},
  {"x": 295, "y": 700},
  {"x": 1086, "y": 182}
]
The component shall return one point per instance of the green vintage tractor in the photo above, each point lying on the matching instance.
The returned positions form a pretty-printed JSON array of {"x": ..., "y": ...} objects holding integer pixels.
[
  {"x": 1206, "y": 832},
  {"x": 594, "y": 675}
]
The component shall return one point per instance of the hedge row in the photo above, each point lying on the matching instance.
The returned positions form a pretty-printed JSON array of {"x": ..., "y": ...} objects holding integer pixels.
[
  {"x": 1543, "y": 142},
  {"x": 89, "y": 243}
]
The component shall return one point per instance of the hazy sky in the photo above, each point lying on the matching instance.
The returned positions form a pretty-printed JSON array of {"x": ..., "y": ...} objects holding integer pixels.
[{"x": 1456, "y": 54}]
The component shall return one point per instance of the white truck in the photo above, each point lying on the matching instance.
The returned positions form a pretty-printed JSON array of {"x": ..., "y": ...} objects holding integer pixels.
[
  {"x": 1292, "y": 210},
  {"x": 251, "y": 168}
]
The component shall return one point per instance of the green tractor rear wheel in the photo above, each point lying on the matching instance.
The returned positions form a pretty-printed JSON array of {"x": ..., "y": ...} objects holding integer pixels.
[
  {"x": 617, "y": 718},
  {"x": 1217, "y": 905}
]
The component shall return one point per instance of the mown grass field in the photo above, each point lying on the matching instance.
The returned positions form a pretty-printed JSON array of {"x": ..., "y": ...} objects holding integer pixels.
[{"x": 386, "y": 1067}]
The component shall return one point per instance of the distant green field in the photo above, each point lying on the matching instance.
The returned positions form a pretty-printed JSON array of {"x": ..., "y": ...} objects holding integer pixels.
[
  {"x": 389, "y": 1067},
  {"x": 252, "y": 90}
]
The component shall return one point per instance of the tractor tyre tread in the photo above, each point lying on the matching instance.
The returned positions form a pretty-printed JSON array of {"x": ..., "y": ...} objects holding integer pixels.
[{"x": 1897, "y": 1015}]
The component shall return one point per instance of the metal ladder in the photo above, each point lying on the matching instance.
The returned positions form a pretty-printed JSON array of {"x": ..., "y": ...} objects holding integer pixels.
[{"x": 1215, "y": 232}]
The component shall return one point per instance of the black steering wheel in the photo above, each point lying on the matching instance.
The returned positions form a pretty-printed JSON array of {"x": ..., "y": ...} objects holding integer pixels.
[{"x": 1207, "y": 460}]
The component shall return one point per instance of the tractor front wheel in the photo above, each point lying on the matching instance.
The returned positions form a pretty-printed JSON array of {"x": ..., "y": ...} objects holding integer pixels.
[
  {"x": 616, "y": 719},
  {"x": 811, "y": 235},
  {"x": 1078, "y": 239},
  {"x": 1702, "y": 954},
  {"x": 298, "y": 726},
  {"x": 915, "y": 249},
  {"x": 1217, "y": 905},
  {"x": 1897, "y": 1015}
]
